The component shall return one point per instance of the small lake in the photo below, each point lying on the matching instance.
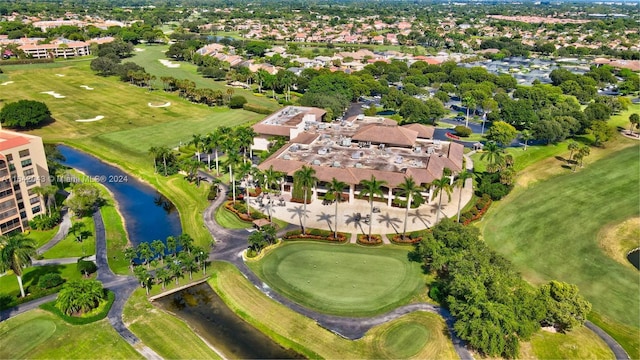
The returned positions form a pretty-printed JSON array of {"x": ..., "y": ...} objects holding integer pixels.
[
  {"x": 634, "y": 258},
  {"x": 148, "y": 214},
  {"x": 203, "y": 310}
]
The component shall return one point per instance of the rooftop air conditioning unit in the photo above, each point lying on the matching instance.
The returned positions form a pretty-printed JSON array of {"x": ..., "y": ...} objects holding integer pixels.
[
  {"x": 287, "y": 157},
  {"x": 316, "y": 162},
  {"x": 336, "y": 164}
]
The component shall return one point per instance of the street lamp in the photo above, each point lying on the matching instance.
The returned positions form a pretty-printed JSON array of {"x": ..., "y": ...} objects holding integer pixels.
[{"x": 204, "y": 263}]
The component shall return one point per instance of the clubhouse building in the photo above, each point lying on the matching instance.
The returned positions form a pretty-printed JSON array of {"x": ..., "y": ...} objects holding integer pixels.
[{"x": 355, "y": 149}]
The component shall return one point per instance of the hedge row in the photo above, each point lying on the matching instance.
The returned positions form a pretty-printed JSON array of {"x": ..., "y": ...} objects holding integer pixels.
[
  {"x": 240, "y": 209},
  {"x": 476, "y": 212},
  {"x": 257, "y": 109},
  {"x": 316, "y": 234},
  {"x": 51, "y": 307},
  {"x": 25, "y": 61},
  {"x": 34, "y": 292},
  {"x": 410, "y": 238}
]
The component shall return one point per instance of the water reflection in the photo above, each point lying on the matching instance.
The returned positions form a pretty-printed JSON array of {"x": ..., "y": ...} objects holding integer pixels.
[{"x": 203, "y": 309}]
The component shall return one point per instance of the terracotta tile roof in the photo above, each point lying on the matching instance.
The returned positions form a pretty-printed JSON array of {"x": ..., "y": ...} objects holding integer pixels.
[
  {"x": 286, "y": 166},
  {"x": 9, "y": 140},
  {"x": 455, "y": 155},
  {"x": 391, "y": 135},
  {"x": 305, "y": 138},
  {"x": 326, "y": 174},
  {"x": 275, "y": 130},
  {"x": 424, "y": 131}
]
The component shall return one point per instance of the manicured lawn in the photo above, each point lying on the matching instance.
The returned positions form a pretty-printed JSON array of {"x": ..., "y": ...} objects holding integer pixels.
[
  {"x": 38, "y": 334},
  {"x": 229, "y": 220},
  {"x": 69, "y": 247},
  {"x": 149, "y": 59},
  {"x": 549, "y": 231},
  {"x": 581, "y": 343},
  {"x": 302, "y": 334},
  {"x": 626, "y": 336},
  {"x": 523, "y": 158},
  {"x": 175, "y": 341},
  {"x": 31, "y": 275},
  {"x": 116, "y": 236},
  {"x": 342, "y": 280},
  {"x": 622, "y": 119},
  {"x": 616, "y": 240},
  {"x": 42, "y": 236}
]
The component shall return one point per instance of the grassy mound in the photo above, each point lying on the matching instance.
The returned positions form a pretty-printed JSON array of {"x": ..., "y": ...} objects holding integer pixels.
[{"x": 342, "y": 280}]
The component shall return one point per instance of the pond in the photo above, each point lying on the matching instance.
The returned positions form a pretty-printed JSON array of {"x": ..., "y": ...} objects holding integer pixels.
[
  {"x": 634, "y": 258},
  {"x": 148, "y": 214},
  {"x": 204, "y": 311}
]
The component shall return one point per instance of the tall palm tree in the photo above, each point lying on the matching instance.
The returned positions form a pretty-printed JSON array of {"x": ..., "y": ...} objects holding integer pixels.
[
  {"x": 172, "y": 244},
  {"x": 215, "y": 140},
  {"x": 441, "y": 185},
  {"x": 469, "y": 102},
  {"x": 411, "y": 191},
  {"x": 271, "y": 177},
  {"x": 305, "y": 177},
  {"x": 163, "y": 276},
  {"x": 493, "y": 153},
  {"x": 335, "y": 188},
  {"x": 158, "y": 248},
  {"x": 48, "y": 195},
  {"x": 460, "y": 181},
  {"x": 153, "y": 151},
  {"x": 244, "y": 170},
  {"x": 233, "y": 159},
  {"x": 572, "y": 146},
  {"x": 15, "y": 254},
  {"x": 245, "y": 136},
  {"x": 526, "y": 135},
  {"x": 371, "y": 188},
  {"x": 197, "y": 140}
]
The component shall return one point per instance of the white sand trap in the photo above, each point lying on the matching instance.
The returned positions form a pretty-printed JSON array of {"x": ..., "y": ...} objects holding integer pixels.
[
  {"x": 138, "y": 49},
  {"x": 54, "y": 94},
  {"x": 97, "y": 118},
  {"x": 6, "y": 83},
  {"x": 167, "y": 104},
  {"x": 168, "y": 63},
  {"x": 86, "y": 87},
  {"x": 60, "y": 75}
]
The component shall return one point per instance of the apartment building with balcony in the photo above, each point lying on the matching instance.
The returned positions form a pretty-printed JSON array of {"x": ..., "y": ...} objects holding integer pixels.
[{"x": 23, "y": 167}]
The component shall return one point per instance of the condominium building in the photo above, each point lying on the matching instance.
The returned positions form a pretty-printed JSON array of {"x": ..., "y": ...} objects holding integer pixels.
[{"x": 23, "y": 167}]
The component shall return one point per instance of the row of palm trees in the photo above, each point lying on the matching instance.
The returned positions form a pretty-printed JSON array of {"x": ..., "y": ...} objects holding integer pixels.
[
  {"x": 188, "y": 90},
  {"x": 372, "y": 188}
]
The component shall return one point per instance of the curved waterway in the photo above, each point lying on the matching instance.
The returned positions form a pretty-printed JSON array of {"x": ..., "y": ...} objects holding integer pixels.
[
  {"x": 203, "y": 310},
  {"x": 148, "y": 214}
]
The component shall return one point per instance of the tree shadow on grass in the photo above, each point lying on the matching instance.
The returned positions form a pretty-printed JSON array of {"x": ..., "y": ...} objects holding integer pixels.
[{"x": 33, "y": 275}]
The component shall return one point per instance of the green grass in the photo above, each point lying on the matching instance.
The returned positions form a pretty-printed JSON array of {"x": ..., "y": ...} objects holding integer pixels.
[
  {"x": 38, "y": 334},
  {"x": 149, "y": 59},
  {"x": 580, "y": 343},
  {"x": 42, "y": 237},
  {"x": 31, "y": 275},
  {"x": 626, "y": 336},
  {"x": 116, "y": 235},
  {"x": 175, "y": 341},
  {"x": 229, "y": 220},
  {"x": 522, "y": 158},
  {"x": 622, "y": 119},
  {"x": 303, "y": 335},
  {"x": 550, "y": 231},
  {"x": 341, "y": 280},
  {"x": 69, "y": 247}
]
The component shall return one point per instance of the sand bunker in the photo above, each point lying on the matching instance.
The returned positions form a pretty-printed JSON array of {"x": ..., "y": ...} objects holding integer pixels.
[
  {"x": 161, "y": 105},
  {"x": 54, "y": 94},
  {"x": 138, "y": 49},
  {"x": 86, "y": 87},
  {"x": 97, "y": 118},
  {"x": 168, "y": 63},
  {"x": 60, "y": 75},
  {"x": 6, "y": 83}
]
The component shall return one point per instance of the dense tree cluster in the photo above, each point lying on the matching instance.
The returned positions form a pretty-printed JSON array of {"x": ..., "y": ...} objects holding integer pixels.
[
  {"x": 25, "y": 114},
  {"x": 494, "y": 307}
]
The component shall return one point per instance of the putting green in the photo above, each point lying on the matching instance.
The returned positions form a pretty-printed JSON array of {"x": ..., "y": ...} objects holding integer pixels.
[{"x": 341, "y": 279}]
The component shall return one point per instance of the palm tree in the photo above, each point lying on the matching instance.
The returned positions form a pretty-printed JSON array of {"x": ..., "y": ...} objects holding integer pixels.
[
  {"x": 48, "y": 195},
  {"x": 245, "y": 136},
  {"x": 188, "y": 263},
  {"x": 163, "y": 152},
  {"x": 130, "y": 254},
  {"x": 186, "y": 242},
  {"x": 441, "y": 185},
  {"x": 158, "y": 248},
  {"x": 233, "y": 158},
  {"x": 271, "y": 177},
  {"x": 244, "y": 170},
  {"x": 410, "y": 190},
  {"x": 144, "y": 252},
  {"x": 469, "y": 102},
  {"x": 460, "y": 181},
  {"x": 572, "y": 146},
  {"x": 15, "y": 254},
  {"x": 197, "y": 140},
  {"x": 176, "y": 270},
  {"x": 371, "y": 188},
  {"x": 493, "y": 154},
  {"x": 305, "y": 177},
  {"x": 162, "y": 276},
  {"x": 172, "y": 244},
  {"x": 526, "y": 135},
  {"x": 76, "y": 230},
  {"x": 143, "y": 276},
  {"x": 335, "y": 188},
  {"x": 153, "y": 151},
  {"x": 634, "y": 119},
  {"x": 584, "y": 151},
  {"x": 215, "y": 140}
]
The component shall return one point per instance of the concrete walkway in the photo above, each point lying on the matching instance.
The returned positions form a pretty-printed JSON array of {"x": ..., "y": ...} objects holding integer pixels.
[
  {"x": 61, "y": 261},
  {"x": 63, "y": 230}
]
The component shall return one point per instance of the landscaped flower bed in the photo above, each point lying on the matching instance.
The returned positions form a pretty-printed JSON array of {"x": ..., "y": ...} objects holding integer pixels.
[
  {"x": 316, "y": 234},
  {"x": 409, "y": 238},
  {"x": 365, "y": 240},
  {"x": 240, "y": 209},
  {"x": 481, "y": 207}
]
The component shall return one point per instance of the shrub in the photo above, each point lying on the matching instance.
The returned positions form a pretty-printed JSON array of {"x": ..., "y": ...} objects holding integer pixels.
[
  {"x": 237, "y": 102},
  {"x": 255, "y": 192},
  {"x": 50, "y": 280},
  {"x": 45, "y": 222},
  {"x": 365, "y": 240},
  {"x": 495, "y": 190},
  {"x": 51, "y": 307},
  {"x": 25, "y": 114},
  {"x": 257, "y": 109},
  {"x": 213, "y": 193},
  {"x": 26, "y": 61},
  {"x": 462, "y": 131},
  {"x": 86, "y": 268}
]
